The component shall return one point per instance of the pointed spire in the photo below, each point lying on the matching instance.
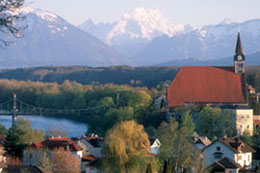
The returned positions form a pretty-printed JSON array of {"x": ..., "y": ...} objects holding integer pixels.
[{"x": 239, "y": 49}]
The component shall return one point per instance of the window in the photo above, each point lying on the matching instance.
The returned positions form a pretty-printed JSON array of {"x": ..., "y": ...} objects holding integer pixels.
[
  {"x": 248, "y": 126},
  {"x": 241, "y": 126},
  {"x": 248, "y": 116},
  {"x": 218, "y": 148},
  {"x": 218, "y": 155}
]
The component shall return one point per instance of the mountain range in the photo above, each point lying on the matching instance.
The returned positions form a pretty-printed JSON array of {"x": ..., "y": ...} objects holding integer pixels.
[
  {"x": 50, "y": 40},
  {"x": 155, "y": 40},
  {"x": 141, "y": 37}
]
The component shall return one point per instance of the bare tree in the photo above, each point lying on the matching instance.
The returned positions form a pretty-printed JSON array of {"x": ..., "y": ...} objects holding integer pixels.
[{"x": 11, "y": 19}]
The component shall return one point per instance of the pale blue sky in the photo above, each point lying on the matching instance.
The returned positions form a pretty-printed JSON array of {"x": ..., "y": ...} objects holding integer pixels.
[{"x": 195, "y": 12}]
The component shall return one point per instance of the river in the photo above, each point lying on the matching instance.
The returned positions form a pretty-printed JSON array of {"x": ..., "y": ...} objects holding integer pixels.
[{"x": 72, "y": 128}]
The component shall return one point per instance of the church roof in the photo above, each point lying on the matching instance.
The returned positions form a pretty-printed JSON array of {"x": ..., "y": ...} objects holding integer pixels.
[
  {"x": 239, "y": 48},
  {"x": 205, "y": 84}
]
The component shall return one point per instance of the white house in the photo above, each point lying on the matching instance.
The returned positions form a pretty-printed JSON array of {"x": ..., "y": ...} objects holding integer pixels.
[
  {"x": 155, "y": 145},
  {"x": 92, "y": 145},
  {"x": 232, "y": 148}
]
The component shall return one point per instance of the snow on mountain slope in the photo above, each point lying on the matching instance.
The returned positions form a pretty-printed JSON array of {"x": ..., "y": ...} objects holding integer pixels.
[
  {"x": 143, "y": 23},
  {"x": 50, "y": 40},
  {"x": 209, "y": 42},
  {"x": 134, "y": 30}
]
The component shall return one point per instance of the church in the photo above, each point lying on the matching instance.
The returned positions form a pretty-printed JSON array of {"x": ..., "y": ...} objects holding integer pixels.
[{"x": 223, "y": 87}]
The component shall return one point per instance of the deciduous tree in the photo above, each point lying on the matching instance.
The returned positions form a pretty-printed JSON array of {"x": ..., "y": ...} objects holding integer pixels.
[{"x": 127, "y": 148}]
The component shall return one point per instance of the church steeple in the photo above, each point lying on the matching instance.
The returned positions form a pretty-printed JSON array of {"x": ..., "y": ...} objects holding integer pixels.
[{"x": 239, "y": 58}]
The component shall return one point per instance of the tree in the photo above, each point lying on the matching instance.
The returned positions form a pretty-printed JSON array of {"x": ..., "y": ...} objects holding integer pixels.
[
  {"x": 149, "y": 168},
  {"x": 176, "y": 143},
  {"x": 114, "y": 116},
  {"x": 127, "y": 148},
  {"x": 58, "y": 160},
  {"x": 10, "y": 19},
  {"x": 3, "y": 130},
  {"x": 21, "y": 135},
  {"x": 215, "y": 123}
]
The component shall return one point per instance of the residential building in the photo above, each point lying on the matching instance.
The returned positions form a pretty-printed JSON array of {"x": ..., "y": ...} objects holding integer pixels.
[
  {"x": 154, "y": 145},
  {"x": 257, "y": 121},
  {"x": 2, "y": 150},
  {"x": 224, "y": 165},
  {"x": 160, "y": 102},
  {"x": 232, "y": 148},
  {"x": 92, "y": 145},
  {"x": 31, "y": 155},
  {"x": 2, "y": 166},
  {"x": 24, "y": 169},
  {"x": 201, "y": 142}
]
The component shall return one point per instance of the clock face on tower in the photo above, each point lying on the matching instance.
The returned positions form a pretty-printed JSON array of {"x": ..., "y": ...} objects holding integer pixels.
[{"x": 239, "y": 57}]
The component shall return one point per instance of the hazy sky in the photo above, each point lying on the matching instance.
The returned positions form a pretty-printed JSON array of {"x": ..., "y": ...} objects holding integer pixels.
[{"x": 195, "y": 12}]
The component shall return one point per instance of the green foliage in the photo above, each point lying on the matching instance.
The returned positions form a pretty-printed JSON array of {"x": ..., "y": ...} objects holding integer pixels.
[
  {"x": 125, "y": 75},
  {"x": 177, "y": 145},
  {"x": 21, "y": 135},
  {"x": 247, "y": 138},
  {"x": 149, "y": 168},
  {"x": 127, "y": 148},
  {"x": 113, "y": 116},
  {"x": 215, "y": 123},
  {"x": 3, "y": 130}
]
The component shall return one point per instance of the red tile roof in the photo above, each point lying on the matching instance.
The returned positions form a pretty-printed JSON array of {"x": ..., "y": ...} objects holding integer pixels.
[
  {"x": 57, "y": 142},
  {"x": 204, "y": 84},
  {"x": 88, "y": 158},
  {"x": 235, "y": 144}
]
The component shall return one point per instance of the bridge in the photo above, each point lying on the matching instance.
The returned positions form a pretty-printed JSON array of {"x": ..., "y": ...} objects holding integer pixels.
[{"x": 15, "y": 106}]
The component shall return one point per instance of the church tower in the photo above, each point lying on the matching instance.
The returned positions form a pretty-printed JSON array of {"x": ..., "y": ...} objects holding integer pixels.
[{"x": 239, "y": 58}]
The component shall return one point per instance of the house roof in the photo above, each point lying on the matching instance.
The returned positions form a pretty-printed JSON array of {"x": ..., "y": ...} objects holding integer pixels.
[
  {"x": 88, "y": 158},
  {"x": 203, "y": 140},
  {"x": 3, "y": 165},
  {"x": 205, "y": 84},
  {"x": 95, "y": 141},
  {"x": 22, "y": 168},
  {"x": 57, "y": 142},
  {"x": 225, "y": 163},
  {"x": 235, "y": 144}
]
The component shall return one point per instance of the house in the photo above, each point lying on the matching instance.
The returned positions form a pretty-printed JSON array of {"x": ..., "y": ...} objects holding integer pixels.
[
  {"x": 257, "y": 121},
  {"x": 86, "y": 164},
  {"x": 31, "y": 155},
  {"x": 251, "y": 89},
  {"x": 232, "y": 148},
  {"x": 224, "y": 165},
  {"x": 154, "y": 145},
  {"x": 201, "y": 142},
  {"x": 92, "y": 145},
  {"x": 214, "y": 86},
  {"x": 160, "y": 102},
  {"x": 24, "y": 169},
  {"x": 2, "y": 166},
  {"x": 2, "y": 151}
]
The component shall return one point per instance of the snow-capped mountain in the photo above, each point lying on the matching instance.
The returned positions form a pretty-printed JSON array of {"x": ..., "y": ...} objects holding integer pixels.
[
  {"x": 50, "y": 40},
  {"x": 134, "y": 30},
  {"x": 209, "y": 42}
]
